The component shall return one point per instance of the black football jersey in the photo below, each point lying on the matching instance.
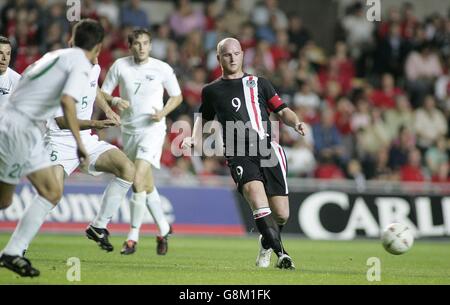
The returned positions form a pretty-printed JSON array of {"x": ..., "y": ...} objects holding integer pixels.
[{"x": 242, "y": 107}]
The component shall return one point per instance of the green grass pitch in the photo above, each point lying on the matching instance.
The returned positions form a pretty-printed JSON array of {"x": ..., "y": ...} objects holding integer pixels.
[{"x": 226, "y": 260}]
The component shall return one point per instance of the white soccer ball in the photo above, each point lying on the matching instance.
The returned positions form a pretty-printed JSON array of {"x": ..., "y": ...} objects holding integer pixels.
[{"x": 397, "y": 238}]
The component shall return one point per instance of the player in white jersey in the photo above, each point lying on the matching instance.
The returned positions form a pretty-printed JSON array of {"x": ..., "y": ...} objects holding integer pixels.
[
  {"x": 142, "y": 80},
  {"x": 103, "y": 156},
  {"x": 8, "y": 77},
  {"x": 54, "y": 81}
]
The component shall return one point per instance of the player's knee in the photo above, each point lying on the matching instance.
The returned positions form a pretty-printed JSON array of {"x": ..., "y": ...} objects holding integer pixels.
[
  {"x": 138, "y": 184},
  {"x": 127, "y": 171},
  {"x": 281, "y": 217},
  {"x": 52, "y": 193},
  {"x": 253, "y": 192}
]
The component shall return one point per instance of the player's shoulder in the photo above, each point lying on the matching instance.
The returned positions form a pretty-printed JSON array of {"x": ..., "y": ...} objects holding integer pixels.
[
  {"x": 71, "y": 57},
  {"x": 13, "y": 74},
  {"x": 159, "y": 65},
  {"x": 213, "y": 85}
]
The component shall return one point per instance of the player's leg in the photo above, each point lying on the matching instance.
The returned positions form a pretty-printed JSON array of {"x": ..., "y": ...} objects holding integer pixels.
[
  {"x": 115, "y": 162},
  {"x": 277, "y": 190},
  {"x": 255, "y": 195},
  {"x": 280, "y": 210},
  {"x": 137, "y": 205},
  {"x": 154, "y": 206},
  {"x": 6, "y": 194},
  {"x": 49, "y": 194}
]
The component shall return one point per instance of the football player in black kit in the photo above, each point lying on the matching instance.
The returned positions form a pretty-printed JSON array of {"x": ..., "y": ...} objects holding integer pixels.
[{"x": 242, "y": 103}]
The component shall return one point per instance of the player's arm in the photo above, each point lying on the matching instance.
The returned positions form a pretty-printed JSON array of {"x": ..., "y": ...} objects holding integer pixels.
[
  {"x": 102, "y": 103},
  {"x": 86, "y": 124},
  {"x": 171, "y": 105},
  {"x": 69, "y": 110},
  {"x": 197, "y": 135},
  {"x": 289, "y": 118},
  {"x": 114, "y": 101}
]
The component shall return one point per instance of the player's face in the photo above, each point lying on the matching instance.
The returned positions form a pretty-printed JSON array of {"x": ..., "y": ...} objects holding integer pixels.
[
  {"x": 231, "y": 58},
  {"x": 5, "y": 57},
  {"x": 141, "y": 48}
]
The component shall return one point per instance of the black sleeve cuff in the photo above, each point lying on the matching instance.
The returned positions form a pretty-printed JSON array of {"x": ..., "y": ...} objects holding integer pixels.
[{"x": 281, "y": 107}]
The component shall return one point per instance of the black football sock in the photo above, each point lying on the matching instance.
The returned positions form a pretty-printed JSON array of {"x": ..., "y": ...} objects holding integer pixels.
[{"x": 269, "y": 230}]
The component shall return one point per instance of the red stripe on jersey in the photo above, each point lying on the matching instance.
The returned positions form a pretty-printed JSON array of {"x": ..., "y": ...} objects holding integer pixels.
[
  {"x": 255, "y": 112},
  {"x": 282, "y": 158},
  {"x": 275, "y": 102}
]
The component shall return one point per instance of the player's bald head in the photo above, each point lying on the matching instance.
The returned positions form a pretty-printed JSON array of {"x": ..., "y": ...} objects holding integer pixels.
[{"x": 228, "y": 43}]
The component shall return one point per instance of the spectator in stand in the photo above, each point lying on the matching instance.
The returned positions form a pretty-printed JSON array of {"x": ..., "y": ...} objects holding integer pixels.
[
  {"x": 359, "y": 33},
  {"x": 401, "y": 115},
  {"x": 192, "y": 52},
  {"x": 437, "y": 155},
  {"x": 361, "y": 117},
  {"x": 384, "y": 97},
  {"x": 422, "y": 68},
  {"x": 234, "y": 17},
  {"x": 332, "y": 72},
  {"x": 327, "y": 139},
  {"x": 264, "y": 11},
  {"x": 372, "y": 138},
  {"x": 409, "y": 20},
  {"x": 355, "y": 173},
  {"x": 301, "y": 159},
  {"x": 412, "y": 171},
  {"x": 327, "y": 169},
  {"x": 391, "y": 52},
  {"x": 192, "y": 89},
  {"x": 298, "y": 35},
  {"x": 109, "y": 9},
  {"x": 89, "y": 9},
  {"x": 308, "y": 101},
  {"x": 280, "y": 50},
  {"x": 186, "y": 19},
  {"x": 259, "y": 60},
  {"x": 442, "y": 89},
  {"x": 285, "y": 83},
  {"x": 394, "y": 18},
  {"x": 133, "y": 15},
  {"x": 400, "y": 148},
  {"x": 430, "y": 123},
  {"x": 442, "y": 175},
  {"x": 160, "y": 42},
  {"x": 381, "y": 170}
]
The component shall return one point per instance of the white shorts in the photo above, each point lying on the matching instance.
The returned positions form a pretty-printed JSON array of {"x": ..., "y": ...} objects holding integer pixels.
[
  {"x": 63, "y": 151},
  {"x": 146, "y": 145},
  {"x": 22, "y": 149}
]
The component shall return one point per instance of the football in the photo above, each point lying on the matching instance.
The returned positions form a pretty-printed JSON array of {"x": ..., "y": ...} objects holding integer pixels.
[{"x": 397, "y": 238}]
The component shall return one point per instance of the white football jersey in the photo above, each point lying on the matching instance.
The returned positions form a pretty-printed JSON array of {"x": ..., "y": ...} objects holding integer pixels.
[
  {"x": 143, "y": 86},
  {"x": 84, "y": 108},
  {"x": 8, "y": 82},
  {"x": 38, "y": 93}
]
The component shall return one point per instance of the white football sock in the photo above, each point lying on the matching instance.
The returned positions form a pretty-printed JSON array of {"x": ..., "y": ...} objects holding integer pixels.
[
  {"x": 113, "y": 196},
  {"x": 28, "y": 226},
  {"x": 155, "y": 208},
  {"x": 137, "y": 209}
]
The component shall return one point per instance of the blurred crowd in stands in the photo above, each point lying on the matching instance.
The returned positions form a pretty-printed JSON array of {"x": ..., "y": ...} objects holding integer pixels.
[{"x": 377, "y": 106}]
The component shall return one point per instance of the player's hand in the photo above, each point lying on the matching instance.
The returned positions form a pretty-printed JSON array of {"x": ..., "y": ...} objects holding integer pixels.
[
  {"x": 111, "y": 115},
  {"x": 83, "y": 157},
  {"x": 187, "y": 143},
  {"x": 105, "y": 124},
  {"x": 120, "y": 103},
  {"x": 157, "y": 116},
  {"x": 300, "y": 128}
]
